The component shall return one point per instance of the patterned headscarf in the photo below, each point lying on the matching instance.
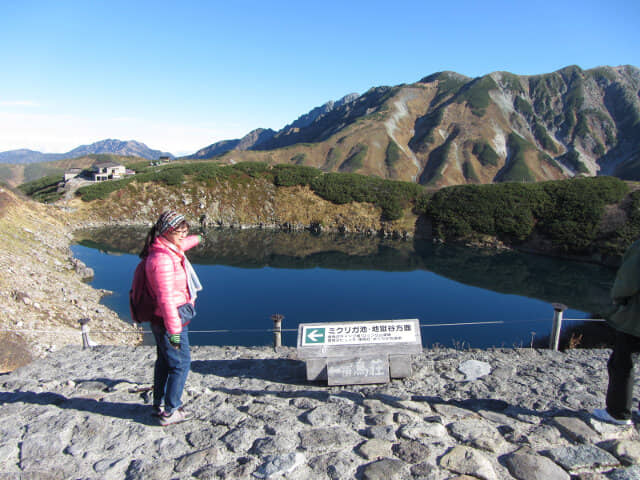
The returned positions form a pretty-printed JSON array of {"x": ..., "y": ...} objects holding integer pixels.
[{"x": 168, "y": 221}]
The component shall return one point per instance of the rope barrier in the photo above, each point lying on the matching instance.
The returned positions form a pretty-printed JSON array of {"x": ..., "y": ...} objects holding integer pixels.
[{"x": 270, "y": 330}]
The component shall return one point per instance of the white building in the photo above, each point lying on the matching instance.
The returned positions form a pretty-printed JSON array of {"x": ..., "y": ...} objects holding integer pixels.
[{"x": 107, "y": 171}]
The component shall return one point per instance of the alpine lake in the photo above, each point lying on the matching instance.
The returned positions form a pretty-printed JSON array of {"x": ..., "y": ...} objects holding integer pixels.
[{"x": 463, "y": 297}]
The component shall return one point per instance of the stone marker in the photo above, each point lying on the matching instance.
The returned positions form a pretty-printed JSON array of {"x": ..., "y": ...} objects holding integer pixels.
[{"x": 355, "y": 353}]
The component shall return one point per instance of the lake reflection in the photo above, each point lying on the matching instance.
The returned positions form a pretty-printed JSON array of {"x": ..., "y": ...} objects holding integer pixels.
[{"x": 250, "y": 274}]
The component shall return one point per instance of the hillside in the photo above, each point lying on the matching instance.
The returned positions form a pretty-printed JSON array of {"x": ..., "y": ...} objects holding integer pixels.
[
  {"x": 17, "y": 174},
  {"x": 42, "y": 293},
  {"x": 593, "y": 219},
  {"x": 449, "y": 129}
]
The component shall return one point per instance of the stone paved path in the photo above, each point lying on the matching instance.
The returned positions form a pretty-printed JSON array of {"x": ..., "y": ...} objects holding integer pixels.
[{"x": 85, "y": 414}]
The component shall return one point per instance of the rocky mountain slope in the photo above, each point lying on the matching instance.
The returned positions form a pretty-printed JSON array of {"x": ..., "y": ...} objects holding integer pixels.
[
  {"x": 42, "y": 293},
  {"x": 450, "y": 129},
  {"x": 261, "y": 139},
  {"x": 116, "y": 147},
  {"x": 250, "y": 140}
]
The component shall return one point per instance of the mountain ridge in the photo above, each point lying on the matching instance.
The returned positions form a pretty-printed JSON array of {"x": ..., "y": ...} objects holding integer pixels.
[
  {"x": 111, "y": 146},
  {"x": 449, "y": 129}
]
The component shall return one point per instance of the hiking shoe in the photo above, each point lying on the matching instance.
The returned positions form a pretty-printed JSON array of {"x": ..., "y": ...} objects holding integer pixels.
[
  {"x": 177, "y": 416},
  {"x": 157, "y": 411},
  {"x": 604, "y": 416}
]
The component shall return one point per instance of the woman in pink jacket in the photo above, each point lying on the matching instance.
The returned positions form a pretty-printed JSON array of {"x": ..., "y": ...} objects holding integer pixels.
[{"x": 174, "y": 285}]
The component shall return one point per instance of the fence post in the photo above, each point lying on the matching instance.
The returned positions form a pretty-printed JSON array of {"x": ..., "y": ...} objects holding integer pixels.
[
  {"x": 277, "y": 329},
  {"x": 84, "y": 329},
  {"x": 554, "y": 338}
]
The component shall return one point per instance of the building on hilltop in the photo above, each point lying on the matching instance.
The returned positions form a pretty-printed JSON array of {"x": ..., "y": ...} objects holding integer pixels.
[
  {"x": 107, "y": 171},
  {"x": 71, "y": 173},
  {"x": 162, "y": 159}
]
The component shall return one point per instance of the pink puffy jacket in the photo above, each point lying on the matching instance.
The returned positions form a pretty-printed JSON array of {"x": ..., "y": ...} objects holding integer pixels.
[{"x": 168, "y": 280}]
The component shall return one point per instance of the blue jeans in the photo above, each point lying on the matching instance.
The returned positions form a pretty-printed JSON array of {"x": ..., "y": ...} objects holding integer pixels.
[
  {"x": 621, "y": 375},
  {"x": 171, "y": 368}
]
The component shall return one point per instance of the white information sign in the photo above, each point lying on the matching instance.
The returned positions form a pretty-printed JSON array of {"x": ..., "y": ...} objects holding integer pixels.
[{"x": 354, "y": 333}]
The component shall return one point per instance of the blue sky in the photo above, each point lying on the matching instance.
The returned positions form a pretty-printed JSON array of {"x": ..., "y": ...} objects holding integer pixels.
[{"x": 179, "y": 76}]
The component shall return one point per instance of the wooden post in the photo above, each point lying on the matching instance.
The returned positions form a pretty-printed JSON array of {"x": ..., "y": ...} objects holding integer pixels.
[
  {"x": 84, "y": 329},
  {"x": 277, "y": 329},
  {"x": 554, "y": 338}
]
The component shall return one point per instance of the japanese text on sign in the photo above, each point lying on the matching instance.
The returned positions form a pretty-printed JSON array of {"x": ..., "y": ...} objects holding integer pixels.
[{"x": 351, "y": 333}]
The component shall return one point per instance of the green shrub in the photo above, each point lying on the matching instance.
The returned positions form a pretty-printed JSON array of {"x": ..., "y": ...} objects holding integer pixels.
[
  {"x": 523, "y": 107},
  {"x": 299, "y": 158},
  {"x": 485, "y": 154},
  {"x": 290, "y": 175},
  {"x": 447, "y": 85},
  {"x": 572, "y": 160},
  {"x": 101, "y": 190},
  {"x": 543, "y": 138},
  {"x": 512, "y": 83},
  {"x": 626, "y": 235},
  {"x": 392, "y": 155},
  {"x": 516, "y": 169},
  {"x": 571, "y": 218},
  {"x": 425, "y": 126},
  {"x": 582, "y": 127},
  {"x": 476, "y": 94},
  {"x": 390, "y": 196},
  {"x": 356, "y": 157},
  {"x": 333, "y": 157},
  {"x": 568, "y": 211},
  {"x": 469, "y": 172},
  {"x": 43, "y": 190},
  {"x": 252, "y": 169},
  {"x": 29, "y": 188}
]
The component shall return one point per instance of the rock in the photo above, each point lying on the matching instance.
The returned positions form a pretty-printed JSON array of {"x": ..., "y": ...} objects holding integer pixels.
[
  {"x": 334, "y": 465},
  {"x": 423, "y": 430},
  {"x": 8, "y": 453},
  {"x": 241, "y": 438},
  {"x": 328, "y": 438},
  {"x": 273, "y": 445},
  {"x": 279, "y": 464},
  {"x": 477, "y": 433},
  {"x": 474, "y": 369},
  {"x": 468, "y": 461},
  {"x": 226, "y": 415},
  {"x": 576, "y": 429},
  {"x": 577, "y": 457},
  {"x": 145, "y": 469},
  {"x": 411, "y": 451},
  {"x": 526, "y": 464},
  {"x": 193, "y": 460},
  {"x": 343, "y": 413},
  {"x": 451, "y": 411},
  {"x": 385, "y": 469},
  {"x": 375, "y": 448},
  {"x": 631, "y": 473},
  {"x": 381, "y": 419},
  {"x": 627, "y": 451},
  {"x": 206, "y": 437},
  {"x": 384, "y": 432},
  {"x": 425, "y": 471},
  {"x": 413, "y": 406}
]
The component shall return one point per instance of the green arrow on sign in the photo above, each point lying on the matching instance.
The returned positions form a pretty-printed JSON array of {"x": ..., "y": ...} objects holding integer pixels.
[{"x": 314, "y": 335}]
